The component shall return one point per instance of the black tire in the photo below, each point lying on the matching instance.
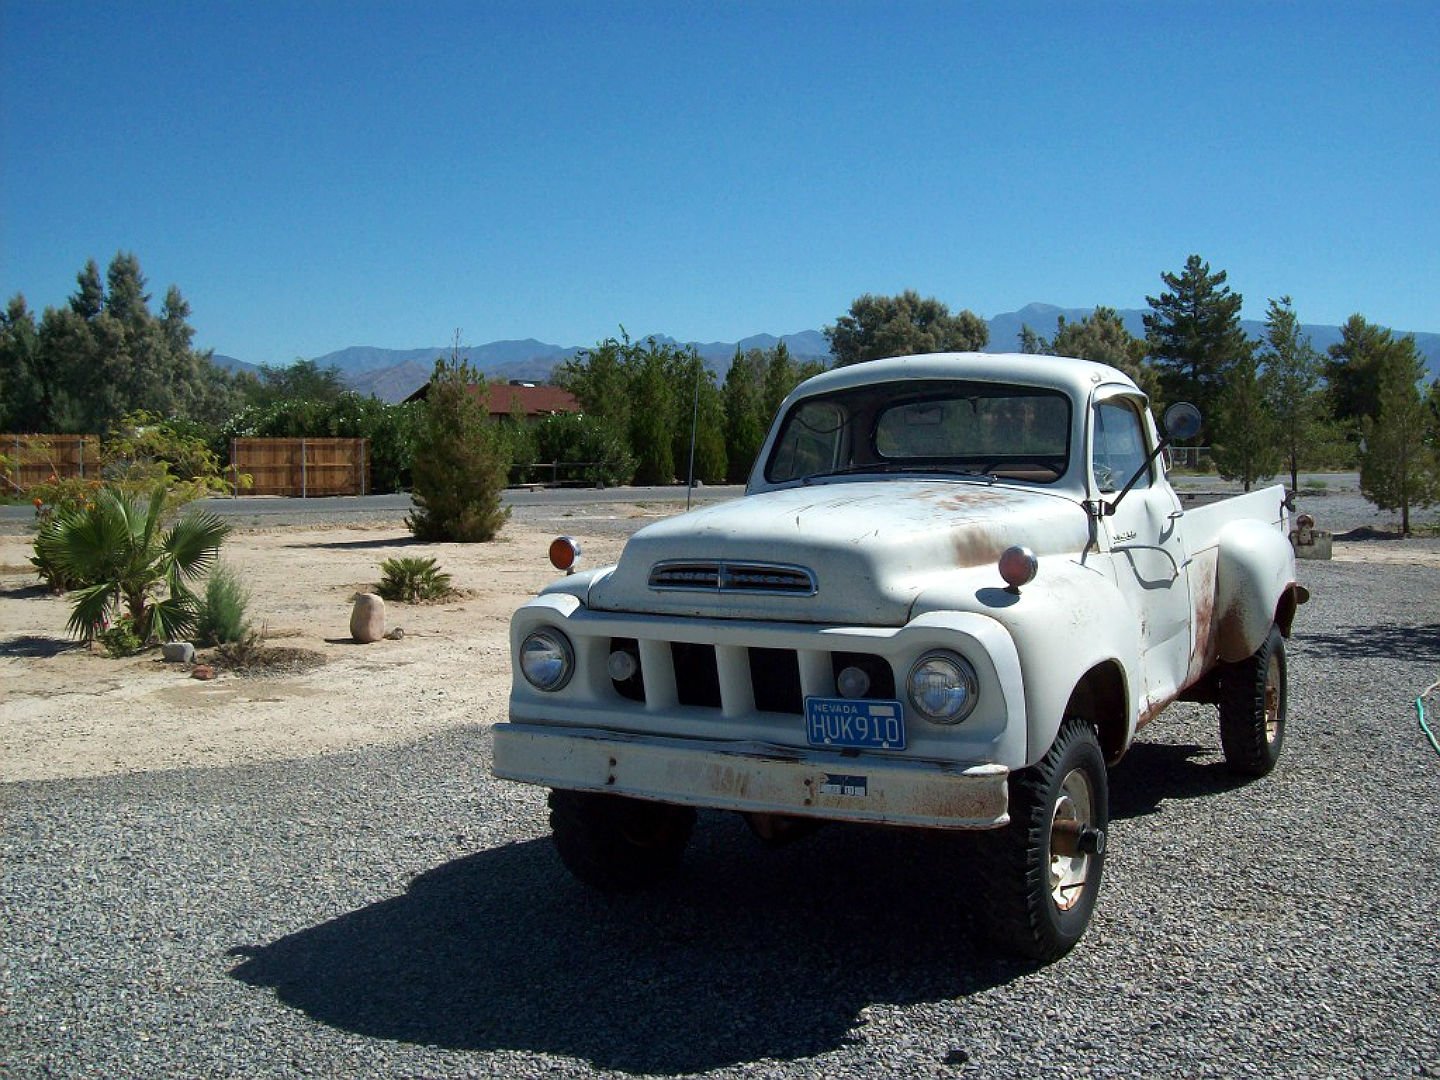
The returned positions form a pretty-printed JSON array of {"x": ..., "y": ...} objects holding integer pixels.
[
  {"x": 617, "y": 844},
  {"x": 1253, "y": 705},
  {"x": 1041, "y": 873}
]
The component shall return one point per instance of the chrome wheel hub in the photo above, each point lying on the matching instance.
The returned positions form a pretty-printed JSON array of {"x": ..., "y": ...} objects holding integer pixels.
[
  {"x": 1272, "y": 700},
  {"x": 1073, "y": 815}
]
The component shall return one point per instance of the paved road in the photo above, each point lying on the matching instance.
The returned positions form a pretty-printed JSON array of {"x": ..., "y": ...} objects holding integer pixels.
[{"x": 363, "y": 509}]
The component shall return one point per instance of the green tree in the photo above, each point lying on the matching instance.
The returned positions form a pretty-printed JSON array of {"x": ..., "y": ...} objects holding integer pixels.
[
  {"x": 599, "y": 378},
  {"x": 89, "y": 298},
  {"x": 460, "y": 463},
  {"x": 1101, "y": 336},
  {"x": 105, "y": 354},
  {"x": 1032, "y": 343},
  {"x": 302, "y": 380},
  {"x": 698, "y": 401},
  {"x": 879, "y": 326},
  {"x": 124, "y": 555},
  {"x": 646, "y": 389},
  {"x": 744, "y": 407},
  {"x": 1244, "y": 444},
  {"x": 1399, "y": 464},
  {"x": 653, "y": 415},
  {"x": 24, "y": 395},
  {"x": 1303, "y": 432},
  {"x": 591, "y": 440},
  {"x": 1193, "y": 334},
  {"x": 1355, "y": 364}
]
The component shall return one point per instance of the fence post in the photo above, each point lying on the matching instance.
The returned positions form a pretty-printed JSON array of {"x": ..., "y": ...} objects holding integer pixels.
[{"x": 304, "y": 485}]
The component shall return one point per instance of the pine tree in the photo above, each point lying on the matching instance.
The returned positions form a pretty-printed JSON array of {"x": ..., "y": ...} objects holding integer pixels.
[
  {"x": 459, "y": 467},
  {"x": 1244, "y": 445},
  {"x": 23, "y": 393},
  {"x": 744, "y": 423},
  {"x": 1303, "y": 432},
  {"x": 1399, "y": 464},
  {"x": 1193, "y": 334}
]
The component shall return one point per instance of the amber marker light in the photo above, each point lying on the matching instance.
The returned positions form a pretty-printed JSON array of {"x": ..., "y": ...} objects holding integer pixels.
[
  {"x": 564, "y": 553},
  {"x": 1018, "y": 566}
]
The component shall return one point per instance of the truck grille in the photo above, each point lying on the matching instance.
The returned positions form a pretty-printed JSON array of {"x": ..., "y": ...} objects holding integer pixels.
[
  {"x": 766, "y": 680},
  {"x": 706, "y": 575}
]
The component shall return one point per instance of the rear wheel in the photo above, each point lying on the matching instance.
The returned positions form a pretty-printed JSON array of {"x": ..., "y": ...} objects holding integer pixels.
[
  {"x": 1253, "y": 707},
  {"x": 1042, "y": 871},
  {"x": 618, "y": 844}
]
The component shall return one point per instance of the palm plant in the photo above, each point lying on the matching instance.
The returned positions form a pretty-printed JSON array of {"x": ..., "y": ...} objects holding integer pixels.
[{"x": 118, "y": 549}]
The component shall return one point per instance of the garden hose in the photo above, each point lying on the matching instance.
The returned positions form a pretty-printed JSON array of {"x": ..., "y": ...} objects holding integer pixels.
[{"x": 1420, "y": 710}]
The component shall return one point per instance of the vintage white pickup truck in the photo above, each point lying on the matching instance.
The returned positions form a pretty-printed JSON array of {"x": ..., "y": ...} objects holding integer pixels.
[{"x": 956, "y": 587}]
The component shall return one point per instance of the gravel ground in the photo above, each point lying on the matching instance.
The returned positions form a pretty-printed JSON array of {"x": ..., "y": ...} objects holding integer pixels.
[{"x": 395, "y": 912}]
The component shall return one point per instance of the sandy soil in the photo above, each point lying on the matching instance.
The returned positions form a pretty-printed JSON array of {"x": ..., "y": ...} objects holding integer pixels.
[{"x": 68, "y": 711}]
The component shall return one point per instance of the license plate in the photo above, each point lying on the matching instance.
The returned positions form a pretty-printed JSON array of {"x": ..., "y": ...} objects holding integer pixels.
[{"x": 847, "y": 723}]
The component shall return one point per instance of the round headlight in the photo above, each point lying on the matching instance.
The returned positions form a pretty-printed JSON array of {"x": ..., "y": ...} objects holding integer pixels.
[
  {"x": 546, "y": 659},
  {"x": 943, "y": 687}
]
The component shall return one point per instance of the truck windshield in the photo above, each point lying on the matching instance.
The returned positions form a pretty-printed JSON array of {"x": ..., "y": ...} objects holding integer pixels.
[{"x": 989, "y": 429}]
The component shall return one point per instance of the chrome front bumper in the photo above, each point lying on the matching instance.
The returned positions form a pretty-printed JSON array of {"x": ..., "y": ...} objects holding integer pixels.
[{"x": 755, "y": 777}]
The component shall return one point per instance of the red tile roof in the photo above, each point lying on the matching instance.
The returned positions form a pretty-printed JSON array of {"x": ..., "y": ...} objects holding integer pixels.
[
  {"x": 532, "y": 400},
  {"x": 503, "y": 399}
]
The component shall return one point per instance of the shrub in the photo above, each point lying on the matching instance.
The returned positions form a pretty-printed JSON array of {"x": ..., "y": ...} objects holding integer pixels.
[
  {"x": 221, "y": 618},
  {"x": 460, "y": 461},
  {"x": 125, "y": 555},
  {"x": 597, "y": 443},
  {"x": 121, "y": 639},
  {"x": 412, "y": 579}
]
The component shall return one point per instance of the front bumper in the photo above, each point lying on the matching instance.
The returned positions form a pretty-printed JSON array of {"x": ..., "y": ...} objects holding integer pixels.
[{"x": 755, "y": 777}]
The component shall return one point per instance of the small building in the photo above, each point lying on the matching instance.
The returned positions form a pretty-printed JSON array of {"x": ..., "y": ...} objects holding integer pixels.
[{"x": 505, "y": 400}]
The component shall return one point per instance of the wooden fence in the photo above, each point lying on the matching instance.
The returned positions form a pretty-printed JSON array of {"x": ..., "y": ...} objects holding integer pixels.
[
  {"x": 33, "y": 459},
  {"x": 303, "y": 467}
]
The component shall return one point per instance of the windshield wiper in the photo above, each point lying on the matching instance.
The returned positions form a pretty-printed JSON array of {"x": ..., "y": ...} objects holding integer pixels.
[{"x": 899, "y": 467}]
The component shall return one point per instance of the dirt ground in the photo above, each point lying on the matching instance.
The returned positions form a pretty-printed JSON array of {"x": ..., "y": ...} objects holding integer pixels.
[{"x": 68, "y": 711}]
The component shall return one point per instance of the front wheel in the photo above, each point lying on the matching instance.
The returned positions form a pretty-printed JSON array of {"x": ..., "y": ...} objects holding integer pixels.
[
  {"x": 1253, "y": 707},
  {"x": 1042, "y": 871},
  {"x": 618, "y": 844}
]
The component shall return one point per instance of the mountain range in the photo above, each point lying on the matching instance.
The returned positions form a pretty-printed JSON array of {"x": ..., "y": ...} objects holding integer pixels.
[{"x": 393, "y": 374}]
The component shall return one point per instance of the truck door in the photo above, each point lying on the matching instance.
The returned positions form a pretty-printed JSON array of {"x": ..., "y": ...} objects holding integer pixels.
[{"x": 1145, "y": 542}]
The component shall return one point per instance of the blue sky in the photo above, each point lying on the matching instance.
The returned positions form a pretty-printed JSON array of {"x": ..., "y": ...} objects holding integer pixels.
[{"x": 317, "y": 175}]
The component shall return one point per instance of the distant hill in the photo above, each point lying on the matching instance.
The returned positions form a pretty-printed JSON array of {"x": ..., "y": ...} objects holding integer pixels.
[{"x": 393, "y": 374}]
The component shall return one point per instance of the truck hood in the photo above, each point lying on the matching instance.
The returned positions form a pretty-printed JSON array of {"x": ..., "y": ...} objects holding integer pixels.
[{"x": 854, "y": 553}]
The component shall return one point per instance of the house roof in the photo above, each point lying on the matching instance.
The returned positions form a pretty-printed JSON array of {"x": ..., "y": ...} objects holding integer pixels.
[{"x": 504, "y": 399}]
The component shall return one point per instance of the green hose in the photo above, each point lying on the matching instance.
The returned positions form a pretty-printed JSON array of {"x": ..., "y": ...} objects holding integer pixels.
[{"x": 1420, "y": 710}]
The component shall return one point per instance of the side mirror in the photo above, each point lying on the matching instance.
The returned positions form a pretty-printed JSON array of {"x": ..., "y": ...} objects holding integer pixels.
[{"x": 1181, "y": 421}]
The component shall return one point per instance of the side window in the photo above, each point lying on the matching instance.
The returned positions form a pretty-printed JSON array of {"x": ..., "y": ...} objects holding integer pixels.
[
  {"x": 1119, "y": 445},
  {"x": 813, "y": 441}
]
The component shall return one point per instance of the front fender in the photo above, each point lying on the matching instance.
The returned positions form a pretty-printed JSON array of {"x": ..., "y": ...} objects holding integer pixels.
[
  {"x": 1255, "y": 564},
  {"x": 1067, "y": 621}
]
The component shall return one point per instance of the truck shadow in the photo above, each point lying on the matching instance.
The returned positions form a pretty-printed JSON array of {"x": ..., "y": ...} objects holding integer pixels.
[
  {"x": 1383, "y": 641},
  {"x": 751, "y": 954},
  {"x": 1151, "y": 773}
]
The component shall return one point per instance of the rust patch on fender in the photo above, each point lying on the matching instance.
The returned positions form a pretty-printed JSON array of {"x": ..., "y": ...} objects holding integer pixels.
[
  {"x": 975, "y": 547},
  {"x": 1204, "y": 647},
  {"x": 965, "y": 498}
]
